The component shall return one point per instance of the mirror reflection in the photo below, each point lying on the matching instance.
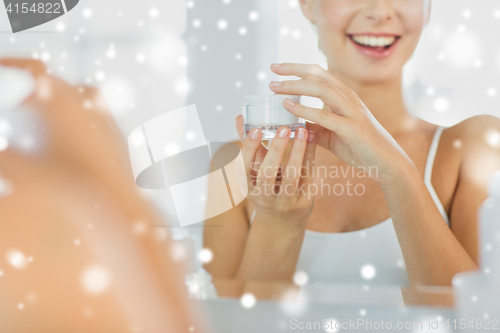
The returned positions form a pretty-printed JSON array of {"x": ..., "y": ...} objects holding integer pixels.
[{"x": 251, "y": 166}]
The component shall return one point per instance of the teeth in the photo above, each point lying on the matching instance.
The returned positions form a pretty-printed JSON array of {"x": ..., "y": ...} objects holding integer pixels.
[{"x": 374, "y": 41}]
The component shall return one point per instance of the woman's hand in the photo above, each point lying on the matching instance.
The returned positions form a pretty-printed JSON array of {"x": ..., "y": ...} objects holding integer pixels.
[
  {"x": 78, "y": 127},
  {"x": 346, "y": 128},
  {"x": 81, "y": 133},
  {"x": 279, "y": 193}
]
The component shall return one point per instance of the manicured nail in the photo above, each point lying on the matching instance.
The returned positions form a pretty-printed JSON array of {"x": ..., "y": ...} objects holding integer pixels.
[
  {"x": 283, "y": 132},
  {"x": 310, "y": 136},
  {"x": 276, "y": 65},
  {"x": 289, "y": 101},
  {"x": 275, "y": 83},
  {"x": 301, "y": 133},
  {"x": 255, "y": 134}
]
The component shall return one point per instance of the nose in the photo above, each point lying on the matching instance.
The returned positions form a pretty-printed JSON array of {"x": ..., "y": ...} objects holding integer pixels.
[{"x": 380, "y": 10}]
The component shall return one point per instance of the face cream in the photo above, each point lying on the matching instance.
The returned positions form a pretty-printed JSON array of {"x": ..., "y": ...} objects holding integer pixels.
[{"x": 268, "y": 113}]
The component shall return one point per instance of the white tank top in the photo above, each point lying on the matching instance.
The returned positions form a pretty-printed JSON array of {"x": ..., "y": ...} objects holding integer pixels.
[{"x": 371, "y": 255}]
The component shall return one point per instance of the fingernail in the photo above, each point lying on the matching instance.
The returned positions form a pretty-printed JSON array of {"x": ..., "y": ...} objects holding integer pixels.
[
  {"x": 310, "y": 136},
  {"x": 275, "y": 83},
  {"x": 289, "y": 101},
  {"x": 276, "y": 65},
  {"x": 283, "y": 132},
  {"x": 301, "y": 133},
  {"x": 255, "y": 134}
]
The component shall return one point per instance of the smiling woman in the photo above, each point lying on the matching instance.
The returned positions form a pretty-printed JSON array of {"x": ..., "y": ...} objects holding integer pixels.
[
  {"x": 342, "y": 25},
  {"x": 377, "y": 45},
  {"x": 416, "y": 220}
]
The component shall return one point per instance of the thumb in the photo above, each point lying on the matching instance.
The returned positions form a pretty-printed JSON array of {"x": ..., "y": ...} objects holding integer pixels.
[
  {"x": 240, "y": 126},
  {"x": 323, "y": 135}
]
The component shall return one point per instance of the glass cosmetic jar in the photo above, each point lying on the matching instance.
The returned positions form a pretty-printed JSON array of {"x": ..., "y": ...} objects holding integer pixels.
[{"x": 268, "y": 113}]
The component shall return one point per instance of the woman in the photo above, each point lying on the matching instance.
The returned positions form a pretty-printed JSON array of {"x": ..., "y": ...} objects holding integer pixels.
[
  {"x": 427, "y": 188},
  {"x": 78, "y": 252}
]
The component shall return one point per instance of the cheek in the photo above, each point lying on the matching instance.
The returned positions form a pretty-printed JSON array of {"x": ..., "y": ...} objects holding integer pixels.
[
  {"x": 412, "y": 16},
  {"x": 335, "y": 15},
  {"x": 413, "y": 24},
  {"x": 333, "y": 20}
]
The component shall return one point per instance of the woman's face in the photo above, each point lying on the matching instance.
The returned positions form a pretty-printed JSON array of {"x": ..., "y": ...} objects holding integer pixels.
[{"x": 388, "y": 31}]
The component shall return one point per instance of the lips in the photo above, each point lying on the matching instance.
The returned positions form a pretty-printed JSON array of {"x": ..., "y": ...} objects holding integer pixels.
[{"x": 375, "y": 51}]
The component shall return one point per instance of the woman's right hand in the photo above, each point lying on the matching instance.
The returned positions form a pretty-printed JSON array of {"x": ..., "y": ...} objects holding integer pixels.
[{"x": 280, "y": 193}]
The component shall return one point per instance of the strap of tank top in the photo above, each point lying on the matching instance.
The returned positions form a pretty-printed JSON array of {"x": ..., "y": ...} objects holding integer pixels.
[
  {"x": 431, "y": 156},
  {"x": 428, "y": 172},
  {"x": 253, "y": 216}
]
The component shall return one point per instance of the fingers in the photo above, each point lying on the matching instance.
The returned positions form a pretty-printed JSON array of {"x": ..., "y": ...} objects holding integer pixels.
[
  {"x": 321, "y": 134},
  {"x": 35, "y": 67},
  {"x": 292, "y": 171},
  {"x": 44, "y": 85},
  {"x": 327, "y": 92},
  {"x": 271, "y": 177},
  {"x": 261, "y": 151},
  {"x": 240, "y": 126},
  {"x": 308, "y": 163},
  {"x": 270, "y": 165},
  {"x": 249, "y": 152},
  {"x": 297, "y": 69},
  {"x": 328, "y": 120},
  {"x": 253, "y": 151},
  {"x": 49, "y": 89},
  {"x": 38, "y": 69},
  {"x": 307, "y": 70}
]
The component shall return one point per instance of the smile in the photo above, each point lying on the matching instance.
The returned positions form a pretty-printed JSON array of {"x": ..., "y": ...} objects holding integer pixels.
[{"x": 375, "y": 46}]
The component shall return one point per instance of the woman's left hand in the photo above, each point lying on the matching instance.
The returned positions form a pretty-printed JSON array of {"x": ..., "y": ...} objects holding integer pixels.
[
  {"x": 347, "y": 128},
  {"x": 78, "y": 126}
]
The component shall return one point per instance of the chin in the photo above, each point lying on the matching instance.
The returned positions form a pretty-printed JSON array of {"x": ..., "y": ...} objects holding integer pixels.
[
  {"x": 379, "y": 75},
  {"x": 366, "y": 72}
]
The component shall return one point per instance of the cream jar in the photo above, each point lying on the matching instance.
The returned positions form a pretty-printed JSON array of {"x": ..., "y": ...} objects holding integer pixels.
[{"x": 268, "y": 113}]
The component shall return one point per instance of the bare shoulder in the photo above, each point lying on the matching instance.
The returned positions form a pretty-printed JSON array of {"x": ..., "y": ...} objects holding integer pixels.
[
  {"x": 476, "y": 135},
  {"x": 476, "y": 141},
  {"x": 480, "y": 120},
  {"x": 468, "y": 153},
  {"x": 475, "y": 130}
]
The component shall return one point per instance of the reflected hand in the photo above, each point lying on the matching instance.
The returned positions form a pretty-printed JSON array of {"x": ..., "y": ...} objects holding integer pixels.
[
  {"x": 280, "y": 193},
  {"x": 79, "y": 128},
  {"x": 81, "y": 133}
]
